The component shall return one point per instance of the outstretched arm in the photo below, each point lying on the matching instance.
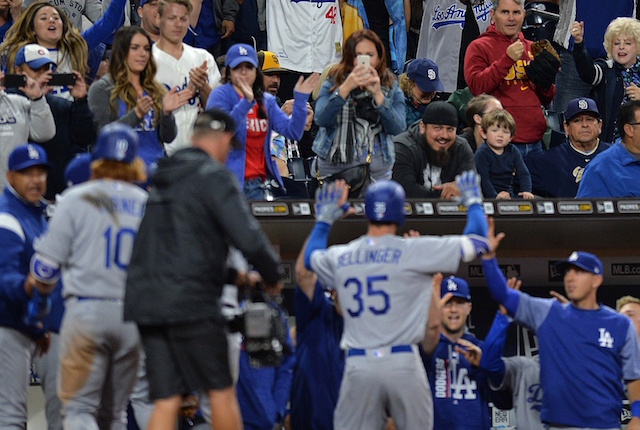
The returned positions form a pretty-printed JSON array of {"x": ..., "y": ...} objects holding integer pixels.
[
  {"x": 434, "y": 319},
  {"x": 475, "y": 242}
]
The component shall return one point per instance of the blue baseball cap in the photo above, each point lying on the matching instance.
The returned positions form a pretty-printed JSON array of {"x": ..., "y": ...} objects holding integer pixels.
[
  {"x": 581, "y": 105},
  {"x": 241, "y": 53},
  {"x": 456, "y": 286},
  {"x": 424, "y": 73},
  {"x": 583, "y": 260},
  {"x": 34, "y": 55},
  {"x": 117, "y": 142},
  {"x": 25, "y": 156},
  {"x": 78, "y": 170}
]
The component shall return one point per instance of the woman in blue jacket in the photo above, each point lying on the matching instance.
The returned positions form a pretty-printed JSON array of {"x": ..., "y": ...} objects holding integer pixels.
[{"x": 257, "y": 115}]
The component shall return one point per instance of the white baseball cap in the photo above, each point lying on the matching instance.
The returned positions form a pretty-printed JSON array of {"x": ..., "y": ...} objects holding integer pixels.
[{"x": 34, "y": 55}]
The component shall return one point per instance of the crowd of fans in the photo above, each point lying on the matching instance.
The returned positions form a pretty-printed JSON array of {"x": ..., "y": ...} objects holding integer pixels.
[{"x": 473, "y": 94}]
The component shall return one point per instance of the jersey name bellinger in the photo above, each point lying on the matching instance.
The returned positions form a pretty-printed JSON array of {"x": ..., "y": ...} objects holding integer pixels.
[{"x": 373, "y": 256}]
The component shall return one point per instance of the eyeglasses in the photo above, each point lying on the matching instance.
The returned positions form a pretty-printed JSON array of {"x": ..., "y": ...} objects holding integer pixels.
[{"x": 633, "y": 123}]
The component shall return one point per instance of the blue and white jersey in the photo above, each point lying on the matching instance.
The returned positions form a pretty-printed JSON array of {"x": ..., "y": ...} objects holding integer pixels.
[
  {"x": 585, "y": 355},
  {"x": 460, "y": 392},
  {"x": 384, "y": 285},
  {"x": 91, "y": 236}
]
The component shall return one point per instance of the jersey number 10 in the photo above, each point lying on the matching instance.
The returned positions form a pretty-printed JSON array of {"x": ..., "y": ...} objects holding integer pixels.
[
  {"x": 371, "y": 292},
  {"x": 119, "y": 245}
]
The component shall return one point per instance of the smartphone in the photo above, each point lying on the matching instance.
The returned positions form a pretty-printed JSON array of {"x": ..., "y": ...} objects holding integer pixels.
[
  {"x": 62, "y": 79},
  {"x": 14, "y": 81},
  {"x": 364, "y": 60}
]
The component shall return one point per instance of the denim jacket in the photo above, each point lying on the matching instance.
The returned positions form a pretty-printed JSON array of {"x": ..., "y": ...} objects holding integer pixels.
[{"x": 329, "y": 106}]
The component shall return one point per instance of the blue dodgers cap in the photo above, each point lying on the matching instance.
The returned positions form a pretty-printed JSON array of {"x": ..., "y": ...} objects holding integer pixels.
[
  {"x": 25, "y": 156},
  {"x": 456, "y": 286},
  {"x": 581, "y": 105},
  {"x": 241, "y": 53},
  {"x": 116, "y": 142},
  {"x": 583, "y": 260},
  {"x": 34, "y": 55},
  {"x": 78, "y": 170},
  {"x": 424, "y": 73}
]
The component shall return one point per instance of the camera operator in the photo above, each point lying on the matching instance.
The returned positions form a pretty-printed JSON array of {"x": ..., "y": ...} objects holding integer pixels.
[{"x": 194, "y": 213}]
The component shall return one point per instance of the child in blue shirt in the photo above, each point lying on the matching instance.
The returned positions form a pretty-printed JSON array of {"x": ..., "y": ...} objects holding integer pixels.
[{"x": 499, "y": 163}]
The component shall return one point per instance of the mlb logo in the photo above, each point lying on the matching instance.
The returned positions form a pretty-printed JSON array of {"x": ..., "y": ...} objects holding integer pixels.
[
  {"x": 242, "y": 51},
  {"x": 121, "y": 149},
  {"x": 582, "y": 104},
  {"x": 451, "y": 285},
  {"x": 431, "y": 74},
  {"x": 33, "y": 153},
  {"x": 379, "y": 209}
]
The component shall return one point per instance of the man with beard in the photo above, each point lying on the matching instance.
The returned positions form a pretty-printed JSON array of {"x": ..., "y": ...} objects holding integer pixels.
[{"x": 429, "y": 155}]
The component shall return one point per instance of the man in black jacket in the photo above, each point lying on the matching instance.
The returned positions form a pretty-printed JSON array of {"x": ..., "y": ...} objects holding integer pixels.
[
  {"x": 194, "y": 213},
  {"x": 429, "y": 155}
]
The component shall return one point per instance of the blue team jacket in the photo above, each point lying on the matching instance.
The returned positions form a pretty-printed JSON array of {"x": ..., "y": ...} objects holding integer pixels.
[
  {"x": 227, "y": 99},
  {"x": 20, "y": 224}
]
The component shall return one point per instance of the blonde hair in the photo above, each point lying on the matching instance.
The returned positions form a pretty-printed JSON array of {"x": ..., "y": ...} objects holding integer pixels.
[
  {"x": 163, "y": 5},
  {"x": 22, "y": 33},
  {"x": 119, "y": 71},
  {"x": 625, "y": 300},
  {"x": 500, "y": 117},
  {"x": 629, "y": 27},
  {"x": 323, "y": 77},
  {"x": 110, "y": 169},
  {"x": 406, "y": 84}
]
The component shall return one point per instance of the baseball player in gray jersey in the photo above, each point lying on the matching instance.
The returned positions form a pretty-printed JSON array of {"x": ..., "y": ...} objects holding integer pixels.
[
  {"x": 383, "y": 281},
  {"x": 90, "y": 240}
]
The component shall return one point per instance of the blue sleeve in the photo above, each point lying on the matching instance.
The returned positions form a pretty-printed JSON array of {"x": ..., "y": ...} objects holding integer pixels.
[
  {"x": 482, "y": 166},
  {"x": 498, "y": 289},
  {"x": 491, "y": 360},
  {"x": 522, "y": 172},
  {"x": 106, "y": 26},
  {"x": 284, "y": 376},
  {"x": 317, "y": 240},
  {"x": 218, "y": 98},
  {"x": 290, "y": 127},
  {"x": 11, "y": 277},
  {"x": 327, "y": 106},
  {"x": 592, "y": 183},
  {"x": 305, "y": 308},
  {"x": 392, "y": 111},
  {"x": 630, "y": 355},
  {"x": 476, "y": 221}
]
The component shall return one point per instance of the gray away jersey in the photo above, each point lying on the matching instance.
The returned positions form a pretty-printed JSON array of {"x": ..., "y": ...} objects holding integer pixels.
[
  {"x": 91, "y": 236},
  {"x": 384, "y": 285}
]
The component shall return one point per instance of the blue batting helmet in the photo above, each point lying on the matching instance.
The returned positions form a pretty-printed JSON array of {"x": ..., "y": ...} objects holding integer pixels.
[
  {"x": 117, "y": 142},
  {"x": 384, "y": 202}
]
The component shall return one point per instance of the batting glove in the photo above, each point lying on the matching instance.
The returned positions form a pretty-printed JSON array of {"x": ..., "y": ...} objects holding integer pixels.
[
  {"x": 327, "y": 208},
  {"x": 469, "y": 185}
]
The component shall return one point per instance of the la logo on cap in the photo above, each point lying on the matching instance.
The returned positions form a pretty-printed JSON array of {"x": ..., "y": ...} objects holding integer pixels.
[
  {"x": 582, "y": 104},
  {"x": 574, "y": 254},
  {"x": 33, "y": 153},
  {"x": 242, "y": 51},
  {"x": 452, "y": 286},
  {"x": 379, "y": 209}
]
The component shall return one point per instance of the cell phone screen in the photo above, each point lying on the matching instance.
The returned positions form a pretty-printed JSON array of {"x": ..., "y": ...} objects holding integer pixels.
[
  {"x": 14, "y": 81},
  {"x": 62, "y": 79}
]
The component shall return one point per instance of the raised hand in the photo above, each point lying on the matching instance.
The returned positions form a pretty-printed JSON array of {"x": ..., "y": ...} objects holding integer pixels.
[
  {"x": 577, "y": 31},
  {"x": 175, "y": 99},
  {"x": 470, "y": 351},
  {"x": 331, "y": 201},
  {"x": 515, "y": 50},
  {"x": 197, "y": 77},
  {"x": 493, "y": 238},
  {"x": 32, "y": 89},
  {"x": 143, "y": 106},
  {"x": 307, "y": 86},
  {"x": 79, "y": 89},
  {"x": 469, "y": 185}
]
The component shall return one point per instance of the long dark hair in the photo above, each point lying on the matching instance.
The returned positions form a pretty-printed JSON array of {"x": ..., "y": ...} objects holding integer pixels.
[
  {"x": 340, "y": 72},
  {"x": 258, "y": 89},
  {"x": 119, "y": 71}
]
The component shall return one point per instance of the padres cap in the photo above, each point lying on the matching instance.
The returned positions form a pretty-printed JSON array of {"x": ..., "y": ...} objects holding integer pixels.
[
  {"x": 581, "y": 105},
  {"x": 25, "y": 156},
  {"x": 241, "y": 53},
  {"x": 583, "y": 260},
  {"x": 34, "y": 55},
  {"x": 441, "y": 113},
  {"x": 456, "y": 286},
  {"x": 424, "y": 73},
  {"x": 269, "y": 63}
]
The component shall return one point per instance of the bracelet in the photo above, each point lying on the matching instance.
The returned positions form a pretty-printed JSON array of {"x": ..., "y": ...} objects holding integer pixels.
[{"x": 635, "y": 409}]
